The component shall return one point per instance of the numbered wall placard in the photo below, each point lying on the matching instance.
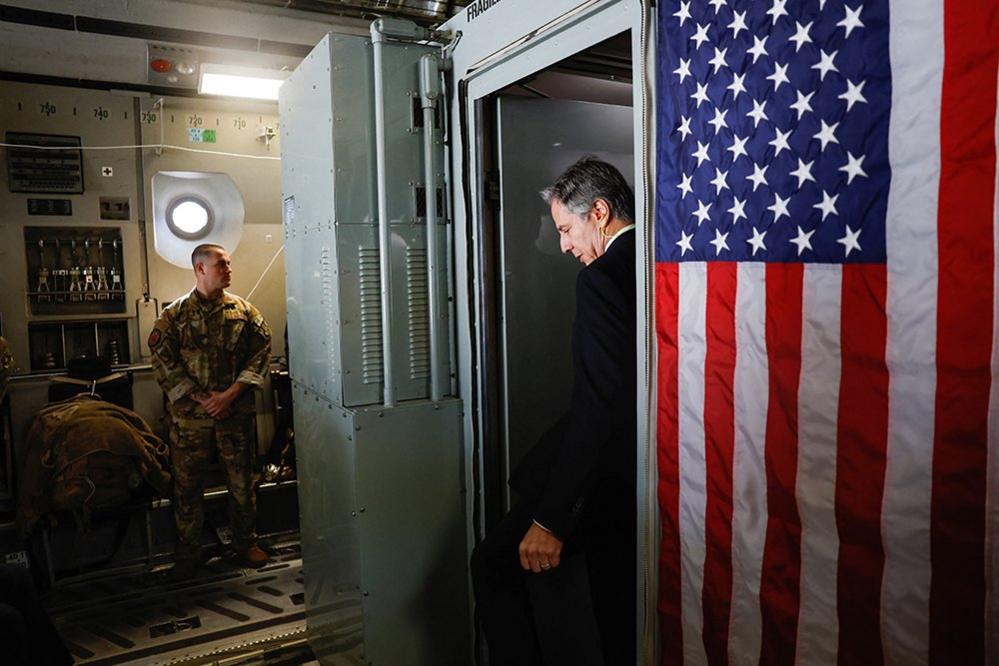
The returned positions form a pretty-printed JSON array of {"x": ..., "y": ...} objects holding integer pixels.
[{"x": 57, "y": 166}]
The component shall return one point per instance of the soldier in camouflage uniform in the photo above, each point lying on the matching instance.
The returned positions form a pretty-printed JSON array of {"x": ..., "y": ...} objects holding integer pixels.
[
  {"x": 209, "y": 349},
  {"x": 6, "y": 366}
]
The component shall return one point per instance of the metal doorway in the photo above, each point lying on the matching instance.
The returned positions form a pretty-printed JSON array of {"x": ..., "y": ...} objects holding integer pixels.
[
  {"x": 497, "y": 49},
  {"x": 537, "y": 140}
]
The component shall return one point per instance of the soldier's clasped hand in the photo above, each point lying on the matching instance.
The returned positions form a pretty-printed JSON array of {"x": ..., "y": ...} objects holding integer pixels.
[
  {"x": 217, "y": 403},
  {"x": 214, "y": 402}
]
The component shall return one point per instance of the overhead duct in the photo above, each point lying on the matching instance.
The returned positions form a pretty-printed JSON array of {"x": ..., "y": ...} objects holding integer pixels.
[{"x": 423, "y": 11}]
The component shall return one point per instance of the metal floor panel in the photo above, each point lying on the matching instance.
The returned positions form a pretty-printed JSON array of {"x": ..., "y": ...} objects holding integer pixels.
[{"x": 145, "y": 618}]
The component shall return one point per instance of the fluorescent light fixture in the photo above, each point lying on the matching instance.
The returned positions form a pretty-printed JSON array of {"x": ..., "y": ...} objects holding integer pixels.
[{"x": 231, "y": 81}]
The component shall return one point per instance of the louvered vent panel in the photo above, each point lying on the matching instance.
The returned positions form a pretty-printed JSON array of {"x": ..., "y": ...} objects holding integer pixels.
[
  {"x": 418, "y": 309},
  {"x": 326, "y": 273},
  {"x": 369, "y": 274}
]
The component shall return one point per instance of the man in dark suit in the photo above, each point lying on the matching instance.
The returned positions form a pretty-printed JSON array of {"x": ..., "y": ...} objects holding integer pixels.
[{"x": 577, "y": 485}]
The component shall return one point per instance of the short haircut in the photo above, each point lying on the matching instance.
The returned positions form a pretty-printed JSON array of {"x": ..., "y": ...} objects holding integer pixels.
[
  {"x": 204, "y": 252},
  {"x": 590, "y": 179}
]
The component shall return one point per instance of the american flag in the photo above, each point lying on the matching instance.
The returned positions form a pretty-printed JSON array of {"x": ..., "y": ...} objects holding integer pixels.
[{"x": 826, "y": 309}]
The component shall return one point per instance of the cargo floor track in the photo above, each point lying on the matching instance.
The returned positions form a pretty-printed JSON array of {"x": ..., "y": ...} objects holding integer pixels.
[{"x": 225, "y": 614}]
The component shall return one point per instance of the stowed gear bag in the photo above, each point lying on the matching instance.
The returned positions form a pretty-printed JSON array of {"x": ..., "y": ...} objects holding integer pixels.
[{"x": 84, "y": 453}]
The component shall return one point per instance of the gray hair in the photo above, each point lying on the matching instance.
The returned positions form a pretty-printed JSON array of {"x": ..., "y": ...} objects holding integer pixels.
[
  {"x": 590, "y": 179},
  {"x": 204, "y": 252}
]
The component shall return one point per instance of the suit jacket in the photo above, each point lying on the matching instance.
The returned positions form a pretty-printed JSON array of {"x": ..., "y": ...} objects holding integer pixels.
[{"x": 586, "y": 462}]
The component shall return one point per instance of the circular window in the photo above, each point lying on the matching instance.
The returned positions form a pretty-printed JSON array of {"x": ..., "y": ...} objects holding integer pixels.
[{"x": 189, "y": 218}]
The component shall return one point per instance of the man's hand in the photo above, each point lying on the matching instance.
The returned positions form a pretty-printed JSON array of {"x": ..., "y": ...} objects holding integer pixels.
[
  {"x": 217, "y": 403},
  {"x": 200, "y": 398},
  {"x": 540, "y": 550}
]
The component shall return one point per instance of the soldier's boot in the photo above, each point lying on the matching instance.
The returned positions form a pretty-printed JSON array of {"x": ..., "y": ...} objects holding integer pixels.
[{"x": 253, "y": 556}]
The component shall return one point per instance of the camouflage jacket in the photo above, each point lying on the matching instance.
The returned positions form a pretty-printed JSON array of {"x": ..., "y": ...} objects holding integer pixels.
[
  {"x": 56, "y": 473},
  {"x": 200, "y": 345}
]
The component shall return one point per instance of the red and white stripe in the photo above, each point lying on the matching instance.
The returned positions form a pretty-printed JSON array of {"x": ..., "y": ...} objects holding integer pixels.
[
  {"x": 965, "y": 332},
  {"x": 992, "y": 502},
  {"x": 911, "y": 241},
  {"x": 829, "y": 482},
  {"x": 749, "y": 489},
  {"x": 692, "y": 346},
  {"x": 818, "y": 403}
]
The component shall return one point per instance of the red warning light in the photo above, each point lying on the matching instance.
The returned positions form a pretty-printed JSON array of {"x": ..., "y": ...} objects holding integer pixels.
[{"x": 160, "y": 65}]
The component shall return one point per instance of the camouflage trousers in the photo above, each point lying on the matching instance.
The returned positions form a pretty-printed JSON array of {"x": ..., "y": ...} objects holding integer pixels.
[{"x": 192, "y": 442}]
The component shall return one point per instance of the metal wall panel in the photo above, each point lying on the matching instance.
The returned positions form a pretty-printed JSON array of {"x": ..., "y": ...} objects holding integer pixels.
[
  {"x": 328, "y": 180},
  {"x": 353, "y": 185},
  {"x": 412, "y": 534},
  {"x": 329, "y": 527},
  {"x": 383, "y": 531},
  {"x": 305, "y": 108},
  {"x": 403, "y": 143},
  {"x": 381, "y": 493}
]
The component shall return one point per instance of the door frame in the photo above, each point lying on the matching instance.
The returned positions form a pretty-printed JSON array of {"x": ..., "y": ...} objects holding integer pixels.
[{"x": 498, "y": 44}]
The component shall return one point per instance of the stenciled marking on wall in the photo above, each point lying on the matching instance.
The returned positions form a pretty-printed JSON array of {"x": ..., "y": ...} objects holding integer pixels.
[{"x": 476, "y": 9}]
